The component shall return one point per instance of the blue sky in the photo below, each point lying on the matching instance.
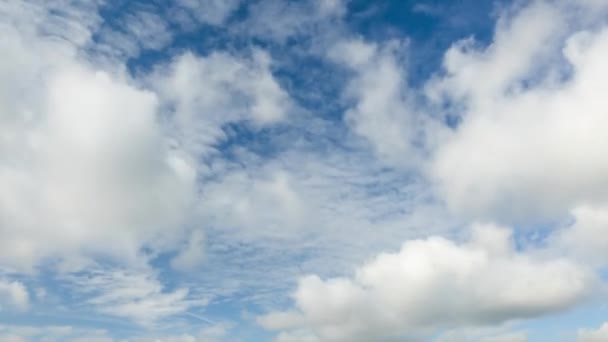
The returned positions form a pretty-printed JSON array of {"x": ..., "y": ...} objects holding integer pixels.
[{"x": 311, "y": 170}]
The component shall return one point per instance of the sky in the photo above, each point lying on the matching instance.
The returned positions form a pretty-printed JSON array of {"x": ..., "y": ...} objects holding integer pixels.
[{"x": 303, "y": 170}]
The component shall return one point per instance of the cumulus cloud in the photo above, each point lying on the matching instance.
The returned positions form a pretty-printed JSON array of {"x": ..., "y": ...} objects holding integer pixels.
[
  {"x": 531, "y": 104},
  {"x": 93, "y": 164},
  {"x": 91, "y": 174},
  {"x": 86, "y": 170},
  {"x": 433, "y": 283}
]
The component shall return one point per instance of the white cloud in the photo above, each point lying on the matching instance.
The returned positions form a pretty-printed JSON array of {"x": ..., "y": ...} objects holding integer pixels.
[
  {"x": 86, "y": 170},
  {"x": 278, "y": 20},
  {"x": 208, "y": 92},
  {"x": 268, "y": 205},
  {"x": 191, "y": 254},
  {"x": 529, "y": 143},
  {"x": 135, "y": 295},
  {"x": 95, "y": 174},
  {"x": 384, "y": 110},
  {"x": 590, "y": 335},
  {"x": 586, "y": 237},
  {"x": 95, "y": 164},
  {"x": 13, "y": 296},
  {"x": 433, "y": 283},
  {"x": 479, "y": 75}
]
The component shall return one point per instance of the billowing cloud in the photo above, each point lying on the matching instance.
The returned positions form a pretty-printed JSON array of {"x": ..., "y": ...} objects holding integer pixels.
[
  {"x": 528, "y": 146},
  {"x": 91, "y": 172},
  {"x": 434, "y": 283}
]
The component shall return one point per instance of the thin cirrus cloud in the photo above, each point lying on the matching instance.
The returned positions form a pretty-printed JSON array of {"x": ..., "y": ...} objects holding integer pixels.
[{"x": 160, "y": 168}]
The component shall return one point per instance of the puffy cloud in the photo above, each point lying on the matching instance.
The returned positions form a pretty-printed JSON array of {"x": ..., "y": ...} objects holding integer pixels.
[
  {"x": 520, "y": 40},
  {"x": 13, "y": 295},
  {"x": 90, "y": 173},
  {"x": 589, "y": 335},
  {"x": 383, "y": 108},
  {"x": 86, "y": 170},
  {"x": 528, "y": 146},
  {"x": 93, "y": 164},
  {"x": 209, "y": 92},
  {"x": 434, "y": 283}
]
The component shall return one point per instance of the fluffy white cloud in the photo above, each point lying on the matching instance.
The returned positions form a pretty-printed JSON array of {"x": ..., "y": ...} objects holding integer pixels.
[
  {"x": 92, "y": 164},
  {"x": 433, "y": 283},
  {"x": 13, "y": 296},
  {"x": 383, "y": 110},
  {"x": 532, "y": 131},
  {"x": 590, "y": 335},
  {"x": 208, "y": 92},
  {"x": 85, "y": 170},
  {"x": 478, "y": 76},
  {"x": 90, "y": 173}
]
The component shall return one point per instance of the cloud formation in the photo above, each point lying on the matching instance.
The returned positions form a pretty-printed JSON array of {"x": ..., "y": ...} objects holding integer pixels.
[
  {"x": 433, "y": 283},
  {"x": 159, "y": 160}
]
